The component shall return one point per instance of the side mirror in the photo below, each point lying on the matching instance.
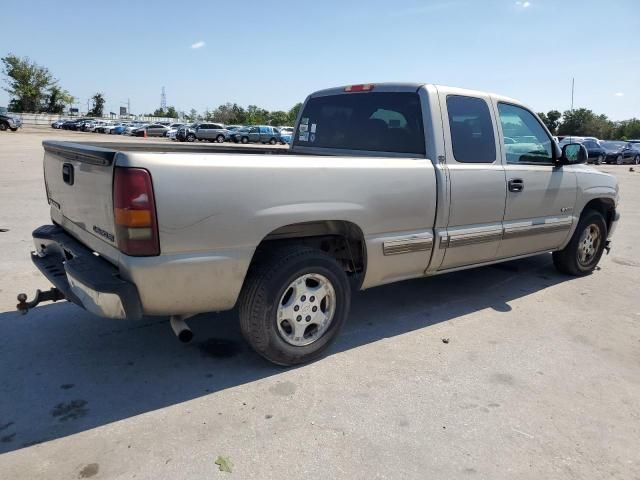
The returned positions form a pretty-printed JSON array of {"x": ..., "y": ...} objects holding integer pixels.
[{"x": 573, "y": 153}]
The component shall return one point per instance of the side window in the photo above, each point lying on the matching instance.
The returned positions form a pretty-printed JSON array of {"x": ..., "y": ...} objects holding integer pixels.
[
  {"x": 254, "y": 130},
  {"x": 532, "y": 144},
  {"x": 471, "y": 129}
]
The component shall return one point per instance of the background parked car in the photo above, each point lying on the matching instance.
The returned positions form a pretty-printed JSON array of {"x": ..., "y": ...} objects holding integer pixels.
[
  {"x": 286, "y": 134},
  {"x": 58, "y": 123},
  {"x": 620, "y": 152},
  {"x": 173, "y": 129},
  {"x": 152, "y": 130},
  {"x": 8, "y": 121},
  {"x": 596, "y": 153},
  {"x": 257, "y": 134},
  {"x": 119, "y": 129},
  {"x": 212, "y": 132}
]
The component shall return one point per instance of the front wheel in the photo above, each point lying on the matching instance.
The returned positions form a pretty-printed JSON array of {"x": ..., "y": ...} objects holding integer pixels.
[
  {"x": 273, "y": 141},
  {"x": 220, "y": 138},
  {"x": 619, "y": 160},
  {"x": 14, "y": 129},
  {"x": 599, "y": 160},
  {"x": 581, "y": 256},
  {"x": 244, "y": 140},
  {"x": 3, "y": 127},
  {"x": 636, "y": 160},
  {"x": 293, "y": 304},
  {"x": 191, "y": 137}
]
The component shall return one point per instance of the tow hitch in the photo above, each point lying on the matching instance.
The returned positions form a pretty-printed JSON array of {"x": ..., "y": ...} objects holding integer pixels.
[{"x": 51, "y": 295}]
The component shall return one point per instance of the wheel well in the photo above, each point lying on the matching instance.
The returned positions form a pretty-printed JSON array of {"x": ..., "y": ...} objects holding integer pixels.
[
  {"x": 341, "y": 239},
  {"x": 605, "y": 206}
]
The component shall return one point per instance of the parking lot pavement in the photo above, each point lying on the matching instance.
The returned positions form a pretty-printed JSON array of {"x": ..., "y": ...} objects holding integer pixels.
[{"x": 539, "y": 379}]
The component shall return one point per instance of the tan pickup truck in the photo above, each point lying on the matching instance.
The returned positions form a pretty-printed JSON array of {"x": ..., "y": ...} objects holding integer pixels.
[{"x": 382, "y": 183}]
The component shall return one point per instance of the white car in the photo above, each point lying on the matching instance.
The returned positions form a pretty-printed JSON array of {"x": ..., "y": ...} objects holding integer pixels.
[{"x": 173, "y": 130}]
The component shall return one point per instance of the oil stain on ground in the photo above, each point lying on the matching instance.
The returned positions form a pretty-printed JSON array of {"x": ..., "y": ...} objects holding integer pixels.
[
  {"x": 219, "y": 348},
  {"x": 70, "y": 410},
  {"x": 89, "y": 470}
]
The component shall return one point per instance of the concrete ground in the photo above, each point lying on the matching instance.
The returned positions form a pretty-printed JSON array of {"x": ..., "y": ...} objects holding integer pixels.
[{"x": 540, "y": 378}]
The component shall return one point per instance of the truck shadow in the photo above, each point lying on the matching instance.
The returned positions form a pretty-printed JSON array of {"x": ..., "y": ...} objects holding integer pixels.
[{"x": 64, "y": 371}]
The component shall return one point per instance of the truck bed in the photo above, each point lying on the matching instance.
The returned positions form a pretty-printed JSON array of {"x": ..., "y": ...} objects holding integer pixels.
[{"x": 103, "y": 152}]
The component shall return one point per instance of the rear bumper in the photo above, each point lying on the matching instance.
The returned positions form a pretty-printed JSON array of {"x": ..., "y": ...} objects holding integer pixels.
[{"x": 85, "y": 279}]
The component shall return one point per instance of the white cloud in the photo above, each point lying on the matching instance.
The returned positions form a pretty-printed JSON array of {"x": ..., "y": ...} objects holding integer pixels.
[
  {"x": 524, "y": 4},
  {"x": 199, "y": 44},
  {"x": 619, "y": 94}
]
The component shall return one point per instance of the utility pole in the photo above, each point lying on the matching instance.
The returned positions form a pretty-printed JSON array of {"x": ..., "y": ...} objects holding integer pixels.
[
  {"x": 88, "y": 101},
  {"x": 163, "y": 100},
  {"x": 572, "y": 89}
]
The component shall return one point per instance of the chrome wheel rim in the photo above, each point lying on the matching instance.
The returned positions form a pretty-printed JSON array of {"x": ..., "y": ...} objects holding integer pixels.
[
  {"x": 589, "y": 244},
  {"x": 306, "y": 309}
]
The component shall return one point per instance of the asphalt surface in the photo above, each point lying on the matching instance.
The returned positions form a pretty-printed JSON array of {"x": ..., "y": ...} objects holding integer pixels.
[{"x": 539, "y": 377}]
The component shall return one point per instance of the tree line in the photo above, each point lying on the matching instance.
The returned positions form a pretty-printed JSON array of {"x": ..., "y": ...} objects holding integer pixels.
[
  {"x": 583, "y": 122},
  {"x": 33, "y": 88}
]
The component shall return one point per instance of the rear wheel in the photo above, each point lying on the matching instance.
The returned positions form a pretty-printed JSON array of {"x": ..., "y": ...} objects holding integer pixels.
[
  {"x": 619, "y": 160},
  {"x": 581, "y": 256},
  {"x": 273, "y": 141},
  {"x": 14, "y": 129},
  {"x": 636, "y": 160},
  {"x": 293, "y": 304},
  {"x": 244, "y": 140},
  {"x": 220, "y": 138},
  {"x": 3, "y": 127},
  {"x": 599, "y": 160}
]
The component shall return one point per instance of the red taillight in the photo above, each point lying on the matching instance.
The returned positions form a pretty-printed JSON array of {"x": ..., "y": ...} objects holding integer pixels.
[
  {"x": 134, "y": 211},
  {"x": 365, "y": 87}
]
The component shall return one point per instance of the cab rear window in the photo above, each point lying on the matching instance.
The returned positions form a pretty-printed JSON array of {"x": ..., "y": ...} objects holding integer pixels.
[{"x": 373, "y": 121}]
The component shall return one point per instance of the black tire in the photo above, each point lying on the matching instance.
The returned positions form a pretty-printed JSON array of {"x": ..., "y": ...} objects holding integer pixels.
[
  {"x": 244, "y": 140},
  {"x": 191, "y": 137},
  {"x": 619, "y": 160},
  {"x": 220, "y": 138},
  {"x": 567, "y": 260},
  {"x": 266, "y": 284},
  {"x": 14, "y": 129},
  {"x": 273, "y": 141},
  {"x": 599, "y": 160},
  {"x": 636, "y": 160},
  {"x": 3, "y": 127}
]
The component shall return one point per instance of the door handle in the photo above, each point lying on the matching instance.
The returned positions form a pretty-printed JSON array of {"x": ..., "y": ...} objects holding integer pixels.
[{"x": 516, "y": 185}]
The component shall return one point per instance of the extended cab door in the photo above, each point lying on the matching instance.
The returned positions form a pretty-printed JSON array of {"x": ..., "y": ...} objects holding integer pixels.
[
  {"x": 476, "y": 178},
  {"x": 540, "y": 196}
]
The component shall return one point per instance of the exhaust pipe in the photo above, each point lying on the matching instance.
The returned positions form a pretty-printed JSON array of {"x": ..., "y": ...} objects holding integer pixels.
[{"x": 180, "y": 328}]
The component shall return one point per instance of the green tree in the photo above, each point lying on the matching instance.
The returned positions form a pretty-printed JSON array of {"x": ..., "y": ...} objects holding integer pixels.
[
  {"x": 551, "y": 119},
  {"x": 192, "y": 116},
  {"x": 293, "y": 113},
  {"x": 278, "y": 118},
  {"x": 27, "y": 83},
  {"x": 98, "y": 105},
  {"x": 170, "y": 112},
  {"x": 256, "y": 115},
  {"x": 583, "y": 122},
  {"x": 57, "y": 100}
]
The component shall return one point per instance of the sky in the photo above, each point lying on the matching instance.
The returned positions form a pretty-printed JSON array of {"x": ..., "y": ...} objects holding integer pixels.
[{"x": 273, "y": 54}]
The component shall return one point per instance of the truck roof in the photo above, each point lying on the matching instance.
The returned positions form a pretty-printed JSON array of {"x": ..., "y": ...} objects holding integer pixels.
[{"x": 412, "y": 87}]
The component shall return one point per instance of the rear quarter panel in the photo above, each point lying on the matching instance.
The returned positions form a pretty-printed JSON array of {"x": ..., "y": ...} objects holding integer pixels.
[{"x": 213, "y": 210}]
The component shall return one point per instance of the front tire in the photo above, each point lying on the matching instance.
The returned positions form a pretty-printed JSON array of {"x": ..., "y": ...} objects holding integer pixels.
[
  {"x": 244, "y": 140},
  {"x": 293, "y": 304},
  {"x": 636, "y": 160},
  {"x": 191, "y": 137},
  {"x": 220, "y": 138},
  {"x": 619, "y": 160},
  {"x": 581, "y": 256},
  {"x": 3, "y": 127},
  {"x": 273, "y": 141}
]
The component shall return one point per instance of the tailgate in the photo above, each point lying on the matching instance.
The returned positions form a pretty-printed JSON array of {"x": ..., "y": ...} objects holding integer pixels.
[{"x": 78, "y": 180}]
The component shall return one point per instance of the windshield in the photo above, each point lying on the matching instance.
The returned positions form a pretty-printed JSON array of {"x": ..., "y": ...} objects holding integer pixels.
[
  {"x": 376, "y": 121},
  {"x": 612, "y": 145},
  {"x": 286, "y": 130},
  {"x": 3, "y": 110}
]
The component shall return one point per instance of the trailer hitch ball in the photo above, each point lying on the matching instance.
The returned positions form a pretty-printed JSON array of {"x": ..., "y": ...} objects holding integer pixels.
[{"x": 51, "y": 295}]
